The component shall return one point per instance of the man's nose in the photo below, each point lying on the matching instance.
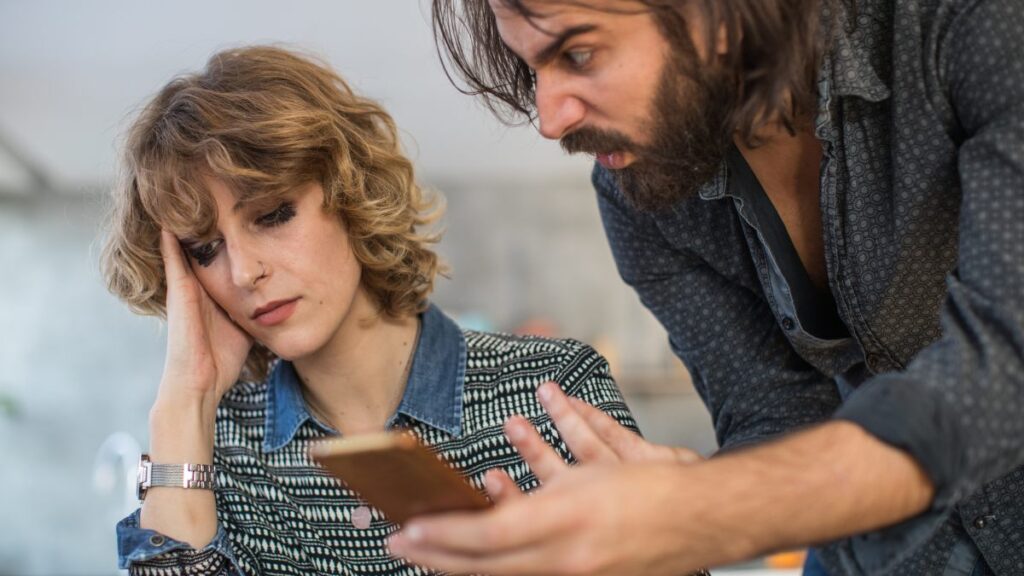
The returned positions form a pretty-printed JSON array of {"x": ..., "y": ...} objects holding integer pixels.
[{"x": 558, "y": 110}]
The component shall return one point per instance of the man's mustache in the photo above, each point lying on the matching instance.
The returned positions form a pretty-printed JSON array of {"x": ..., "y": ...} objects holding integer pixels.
[{"x": 596, "y": 141}]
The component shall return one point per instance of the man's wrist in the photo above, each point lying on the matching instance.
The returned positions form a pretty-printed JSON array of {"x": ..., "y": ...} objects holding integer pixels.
[{"x": 821, "y": 484}]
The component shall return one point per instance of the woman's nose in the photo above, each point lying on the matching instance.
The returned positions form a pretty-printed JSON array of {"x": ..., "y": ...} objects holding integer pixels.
[{"x": 247, "y": 267}]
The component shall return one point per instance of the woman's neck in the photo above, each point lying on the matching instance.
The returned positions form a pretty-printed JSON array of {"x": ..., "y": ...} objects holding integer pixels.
[{"x": 356, "y": 381}]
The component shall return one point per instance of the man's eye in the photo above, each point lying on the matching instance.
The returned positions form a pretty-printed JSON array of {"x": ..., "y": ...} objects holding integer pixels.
[
  {"x": 278, "y": 216},
  {"x": 578, "y": 58},
  {"x": 204, "y": 254}
]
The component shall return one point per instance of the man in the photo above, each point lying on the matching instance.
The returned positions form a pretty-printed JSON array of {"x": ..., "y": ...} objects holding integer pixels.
[{"x": 823, "y": 204}]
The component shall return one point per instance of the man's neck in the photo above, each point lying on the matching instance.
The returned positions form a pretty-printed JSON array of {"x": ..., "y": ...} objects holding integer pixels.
[
  {"x": 783, "y": 160},
  {"x": 788, "y": 168},
  {"x": 357, "y": 380}
]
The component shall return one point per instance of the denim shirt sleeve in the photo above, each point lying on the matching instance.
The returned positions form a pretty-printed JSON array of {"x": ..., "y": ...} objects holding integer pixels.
[
  {"x": 744, "y": 369},
  {"x": 143, "y": 551},
  {"x": 971, "y": 381}
]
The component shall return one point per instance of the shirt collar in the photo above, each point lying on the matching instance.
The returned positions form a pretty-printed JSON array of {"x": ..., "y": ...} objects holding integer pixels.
[
  {"x": 433, "y": 393},
  {"x": 858, "y": 62},
  {"x": 853, "y": 66}
]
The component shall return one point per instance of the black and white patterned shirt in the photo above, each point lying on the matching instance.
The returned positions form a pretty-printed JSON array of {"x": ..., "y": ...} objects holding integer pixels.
[
  {"x": 921, "y": 118},
  {"x": 280, "y": 513}
]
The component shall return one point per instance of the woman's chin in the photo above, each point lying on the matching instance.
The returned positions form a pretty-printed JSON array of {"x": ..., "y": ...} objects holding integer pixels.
[{"x": 291, "y": 351}]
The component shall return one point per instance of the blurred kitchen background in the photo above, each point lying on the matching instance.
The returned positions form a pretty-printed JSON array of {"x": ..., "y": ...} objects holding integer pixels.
[{"x": 78, "y": 371}]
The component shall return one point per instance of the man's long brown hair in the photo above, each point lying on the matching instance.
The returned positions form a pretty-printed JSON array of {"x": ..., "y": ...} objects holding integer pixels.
[{"x": 775, "y": 48}]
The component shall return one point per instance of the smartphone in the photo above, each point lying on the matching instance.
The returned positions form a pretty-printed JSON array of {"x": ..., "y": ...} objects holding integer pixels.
[{"x": 398, "y": 475}]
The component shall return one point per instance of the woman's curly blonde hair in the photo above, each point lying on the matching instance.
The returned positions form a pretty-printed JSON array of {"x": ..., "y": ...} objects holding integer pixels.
[{"x": 266, "y": 121}]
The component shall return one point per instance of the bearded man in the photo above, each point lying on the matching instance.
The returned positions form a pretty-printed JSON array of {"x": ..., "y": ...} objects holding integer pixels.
[{"x": 822, "y": 201}]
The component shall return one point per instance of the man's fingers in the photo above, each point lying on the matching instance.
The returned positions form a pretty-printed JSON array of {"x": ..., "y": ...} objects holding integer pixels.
[
  {"x": 584, "y": 443},
  {"x": 538, "y": 454},
  {"x": 685, "y": 455},
  {"x": 500, "y": 486},
  {"x": 626, "y": 444},
  {"x": 500, "y": 529},
  {"x": 521, "y": 562}
]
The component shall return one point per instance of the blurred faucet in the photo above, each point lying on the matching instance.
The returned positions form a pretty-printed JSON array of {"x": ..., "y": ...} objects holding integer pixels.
[{"x": 118, "y": 457}]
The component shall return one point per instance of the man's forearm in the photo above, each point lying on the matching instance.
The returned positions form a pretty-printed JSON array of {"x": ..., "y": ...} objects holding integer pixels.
[{"x": 825, "y": 483}]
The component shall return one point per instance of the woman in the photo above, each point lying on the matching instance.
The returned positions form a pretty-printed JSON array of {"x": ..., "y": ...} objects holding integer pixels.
[{"x": 268, "y": 212}]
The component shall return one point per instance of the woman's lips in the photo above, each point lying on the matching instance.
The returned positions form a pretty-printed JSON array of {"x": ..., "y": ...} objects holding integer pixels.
[{"x": 275, "y": 312}]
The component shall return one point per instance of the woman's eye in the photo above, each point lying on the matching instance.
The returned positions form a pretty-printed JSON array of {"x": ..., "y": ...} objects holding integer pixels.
[
  {"x": 579, "y": 58},
  {"x": 204, "y": 254},
  {"x": 277, "y": 216}
]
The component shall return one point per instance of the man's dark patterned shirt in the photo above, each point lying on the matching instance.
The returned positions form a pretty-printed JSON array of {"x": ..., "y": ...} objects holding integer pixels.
[{"x": 921, "y": 118}]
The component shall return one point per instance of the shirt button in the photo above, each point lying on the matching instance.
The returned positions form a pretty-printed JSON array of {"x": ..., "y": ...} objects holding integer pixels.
[
  {"x": 156, "y": 540},
  {"x": 980, "y": 522},
  {"x": 361, "y": 517},
  {"x": 788, "y": 324}
]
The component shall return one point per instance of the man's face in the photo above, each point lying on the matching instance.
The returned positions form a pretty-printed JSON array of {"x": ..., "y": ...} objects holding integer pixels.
[{"x": 610, "y": 83}]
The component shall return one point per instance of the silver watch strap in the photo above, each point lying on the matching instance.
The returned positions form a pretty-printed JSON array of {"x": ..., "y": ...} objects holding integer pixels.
[
  {"x": 202, "y": 476},
  {"x": 183, "y": 475}
]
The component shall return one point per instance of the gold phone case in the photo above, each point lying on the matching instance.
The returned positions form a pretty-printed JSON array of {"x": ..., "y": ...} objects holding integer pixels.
[{"x": 398, "y": 475}]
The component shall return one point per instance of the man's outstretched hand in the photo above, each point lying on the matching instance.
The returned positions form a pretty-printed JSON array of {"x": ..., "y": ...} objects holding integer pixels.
[{"x": 598, "y": 519}]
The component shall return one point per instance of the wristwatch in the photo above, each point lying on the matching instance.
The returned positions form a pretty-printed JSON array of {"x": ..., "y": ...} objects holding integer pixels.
[{"x": 176, "y": 475}]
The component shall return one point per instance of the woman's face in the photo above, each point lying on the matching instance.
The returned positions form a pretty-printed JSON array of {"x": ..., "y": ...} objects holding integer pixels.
[{"x": 285, "y": 273}]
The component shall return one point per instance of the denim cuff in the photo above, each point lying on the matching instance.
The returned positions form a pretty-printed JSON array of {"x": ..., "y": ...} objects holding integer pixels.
[{"x": 139, "y": 545}]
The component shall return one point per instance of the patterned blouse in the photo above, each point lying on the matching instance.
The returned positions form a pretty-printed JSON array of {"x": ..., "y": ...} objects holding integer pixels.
[{"x": 279, "y": 513}]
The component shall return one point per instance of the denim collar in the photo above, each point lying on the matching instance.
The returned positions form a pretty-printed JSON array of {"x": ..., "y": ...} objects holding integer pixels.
[{"x": 433, "y": 393}]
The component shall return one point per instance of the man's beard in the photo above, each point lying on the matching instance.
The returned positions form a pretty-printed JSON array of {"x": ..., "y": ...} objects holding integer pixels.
[{"x": 689, "y": 135}]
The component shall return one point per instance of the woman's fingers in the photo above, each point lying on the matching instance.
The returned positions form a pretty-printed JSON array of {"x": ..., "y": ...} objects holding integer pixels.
[{"x": 175, "y": 267}]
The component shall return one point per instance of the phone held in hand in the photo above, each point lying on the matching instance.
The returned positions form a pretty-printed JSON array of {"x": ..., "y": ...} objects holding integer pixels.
[{"x": 398, "y": 475}]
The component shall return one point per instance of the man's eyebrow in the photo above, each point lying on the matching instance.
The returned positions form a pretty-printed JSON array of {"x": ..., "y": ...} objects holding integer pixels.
[{"x": 551, "y": 50}]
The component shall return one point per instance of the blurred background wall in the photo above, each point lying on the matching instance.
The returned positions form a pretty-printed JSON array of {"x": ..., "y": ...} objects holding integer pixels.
[{"x": 78, "y": 372}]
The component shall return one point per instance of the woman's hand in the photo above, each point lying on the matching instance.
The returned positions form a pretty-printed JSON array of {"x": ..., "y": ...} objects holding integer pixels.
[
  {"x": 205, "y": 354},
  {"x": 205, "y": 348}
]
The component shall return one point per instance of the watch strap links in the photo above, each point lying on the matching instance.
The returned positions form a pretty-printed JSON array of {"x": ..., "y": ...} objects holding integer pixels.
[{"x": 198, "y": 476}]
